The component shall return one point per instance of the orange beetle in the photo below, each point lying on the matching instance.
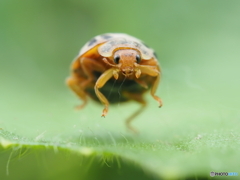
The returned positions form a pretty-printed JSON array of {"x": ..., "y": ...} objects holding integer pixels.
[{"x": 115, "y": 59}]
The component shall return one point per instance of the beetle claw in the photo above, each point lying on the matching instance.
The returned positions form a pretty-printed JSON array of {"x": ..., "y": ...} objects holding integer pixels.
[
  {"x": 78, "y": 107},
  {"x": 105, "y": 111},
  {"x": 160, "y": 103}
]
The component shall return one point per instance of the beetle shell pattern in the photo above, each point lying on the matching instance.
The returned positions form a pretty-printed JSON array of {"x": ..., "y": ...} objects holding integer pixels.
[{"x": 114, "y": 41}]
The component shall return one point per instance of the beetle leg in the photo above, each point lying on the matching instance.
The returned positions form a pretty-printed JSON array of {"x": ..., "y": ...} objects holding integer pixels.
[
  {"x": 146, "y": 69},
  {"x": 89, "y": 65},
  {"x": 79, "y": 81},
  {"x": 152, "y": 71},
  {"x": 142, "y": 83},
  {"x": 100, "y": 83},
  {"x": 73, "y": 83},
  {"x": 138, "y": 98},
  {"x": 153, "y": 90}
]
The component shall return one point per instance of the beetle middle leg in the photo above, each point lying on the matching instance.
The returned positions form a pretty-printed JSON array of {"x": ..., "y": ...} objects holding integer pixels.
[
  {"x": 73, "y": 83},
  {"x": 82, "y": 76},
  {"x": 89, "y": 65}
]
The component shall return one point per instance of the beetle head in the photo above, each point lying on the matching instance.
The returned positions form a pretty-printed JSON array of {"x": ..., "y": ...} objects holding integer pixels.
[
  {"x": 126, "y": 58},
  {"x": 125, "y": 61}
]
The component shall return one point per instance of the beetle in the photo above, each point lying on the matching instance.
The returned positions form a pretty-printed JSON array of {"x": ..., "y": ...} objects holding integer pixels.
[{"x": 119, "y": 59}]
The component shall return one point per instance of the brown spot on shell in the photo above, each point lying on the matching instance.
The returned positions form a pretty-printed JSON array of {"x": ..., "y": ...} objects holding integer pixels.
[
  {"x": 106, "y": 36},
  {"x": 92, "y": 41}
]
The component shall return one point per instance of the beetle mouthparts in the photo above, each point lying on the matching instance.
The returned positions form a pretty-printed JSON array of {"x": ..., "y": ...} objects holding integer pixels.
[{"x": 127, "y": 72}]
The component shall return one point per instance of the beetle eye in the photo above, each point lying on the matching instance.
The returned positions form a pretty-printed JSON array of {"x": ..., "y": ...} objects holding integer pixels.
[
  {"x": 116, "y": 59},
  {"x": 138, "y": 58}
]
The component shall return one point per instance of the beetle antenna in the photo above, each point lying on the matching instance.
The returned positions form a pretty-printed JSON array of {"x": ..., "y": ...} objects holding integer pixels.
[
  {"x": 120, "y": 87},
  {"x": 112, "y": 88}
]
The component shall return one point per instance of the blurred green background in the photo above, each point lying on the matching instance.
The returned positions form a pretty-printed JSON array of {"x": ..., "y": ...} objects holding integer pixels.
[{"x": 198, "y": 45}]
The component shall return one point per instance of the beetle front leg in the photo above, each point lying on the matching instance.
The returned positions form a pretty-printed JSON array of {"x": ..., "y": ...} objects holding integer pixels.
[
  {"x": 99, "y": 84},
  {"x": 153, "y": 90},
  {"x": 151, "y": 71}
]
